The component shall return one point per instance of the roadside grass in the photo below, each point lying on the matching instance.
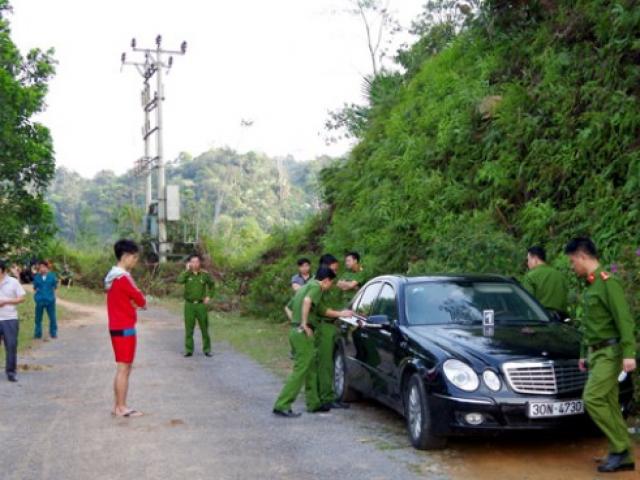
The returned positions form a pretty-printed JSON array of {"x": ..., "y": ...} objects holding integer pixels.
[
  {"x": 26, "y": 314},
  {"x": 262, "y": 340},
  {"x": 259, "y": 338},
  {"x": 81, "y": 295}
]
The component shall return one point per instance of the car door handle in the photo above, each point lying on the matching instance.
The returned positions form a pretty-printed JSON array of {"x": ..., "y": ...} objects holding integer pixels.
[{"x": 386, "y": 333}]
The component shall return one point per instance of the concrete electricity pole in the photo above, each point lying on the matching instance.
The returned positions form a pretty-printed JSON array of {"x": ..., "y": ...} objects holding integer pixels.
[{"x": 153, "y": 64}]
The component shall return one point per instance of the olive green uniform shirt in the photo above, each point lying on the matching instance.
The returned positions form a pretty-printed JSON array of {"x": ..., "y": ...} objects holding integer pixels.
[
  {"x": 350, "y": 276},
  {"x": 607, "y": 314},
  {"x": 331, "y": 300},
  {"x": 336, "y": 299},
  {"x": 197, "y": 286},
  {"x": 312, "y": 290},
  {"x": 549, "y": 286}
]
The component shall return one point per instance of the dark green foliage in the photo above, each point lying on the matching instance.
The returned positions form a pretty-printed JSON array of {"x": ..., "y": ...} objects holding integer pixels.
[
  {"x": 226, "y": 193},
  {"x": 523, "y": 129},
  {"x": 271, "y": 289},
  {"x": 26, "y": 149}
]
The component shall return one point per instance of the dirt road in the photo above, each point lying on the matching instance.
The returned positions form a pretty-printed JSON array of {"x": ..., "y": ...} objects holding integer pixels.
[
  {"x": 205, "y": 417},
  {"x": 210, "y": 418}
]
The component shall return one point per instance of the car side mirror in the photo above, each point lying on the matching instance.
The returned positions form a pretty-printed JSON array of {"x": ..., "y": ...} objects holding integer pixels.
[
  {"x": 381, "y": 321},
  {"x": 558, "y": 317}
]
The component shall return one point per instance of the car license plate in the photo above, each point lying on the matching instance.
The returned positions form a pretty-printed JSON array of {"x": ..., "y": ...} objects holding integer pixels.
[{"x": 555, "y": 409}]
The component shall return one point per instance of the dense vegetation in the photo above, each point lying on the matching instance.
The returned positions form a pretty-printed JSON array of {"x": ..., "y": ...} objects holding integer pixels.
[
  {"x": 26, "y": 150},
  {"x": 519, "y": 125},
  {"x": 508, "y": 123},
  {"x": 232, "y": 201},
  {"x": 232, "y": 195}
]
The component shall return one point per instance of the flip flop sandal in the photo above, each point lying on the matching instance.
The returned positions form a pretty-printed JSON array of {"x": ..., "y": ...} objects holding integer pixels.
[
  {"x": 127, "y": 414},
  {"x": 133, "y": 413}
]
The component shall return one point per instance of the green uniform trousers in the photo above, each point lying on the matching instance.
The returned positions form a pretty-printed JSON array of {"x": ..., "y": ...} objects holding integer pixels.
[
  {"x": 196, "y": 312},
  {"x": 325, "y": 338},
  {"x": 601, "y": 398},
  {"x": 304, "y": 373}
]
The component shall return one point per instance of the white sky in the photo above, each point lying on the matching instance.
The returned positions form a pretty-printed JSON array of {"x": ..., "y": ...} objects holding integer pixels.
[{"x": 282, "y": 63}]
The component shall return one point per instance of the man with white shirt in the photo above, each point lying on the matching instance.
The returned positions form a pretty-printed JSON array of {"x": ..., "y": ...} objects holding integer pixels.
[{"x": 11, "y": 294}]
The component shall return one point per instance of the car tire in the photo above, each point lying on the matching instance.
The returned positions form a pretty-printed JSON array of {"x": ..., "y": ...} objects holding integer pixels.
[
  {"x": 418, "y": 416},
  {"x": 341, "y": 385}
]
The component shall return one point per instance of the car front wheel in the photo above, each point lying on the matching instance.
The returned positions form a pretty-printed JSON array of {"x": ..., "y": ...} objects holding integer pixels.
[{"x": 418, "y": 416}]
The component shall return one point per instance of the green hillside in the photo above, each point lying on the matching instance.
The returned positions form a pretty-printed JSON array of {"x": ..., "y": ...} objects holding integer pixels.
[
  {"x": 521, "y": 129},
  {"x": 220, "y": 189}
]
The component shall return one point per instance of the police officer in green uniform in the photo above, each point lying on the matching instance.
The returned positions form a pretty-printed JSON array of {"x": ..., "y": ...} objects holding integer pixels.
[
  {"x": 544, "y": 282},
  {"x": 337, "y": 297},
  {"x": 353, "y": 278},
  {"x": 198, "y": 288},
  {"x": 302, "y": 310},
  {"x": 325, "y": 338},
  {"x": 609, "y": 340}
]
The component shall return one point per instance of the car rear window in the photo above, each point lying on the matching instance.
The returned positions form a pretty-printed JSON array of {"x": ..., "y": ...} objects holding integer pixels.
[{"x": 460, "y": 302}]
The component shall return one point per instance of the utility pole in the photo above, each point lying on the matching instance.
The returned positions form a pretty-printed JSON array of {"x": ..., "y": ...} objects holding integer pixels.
[
  {"x": 153, "y": 64},
  {"x": 148, "y": 190}
]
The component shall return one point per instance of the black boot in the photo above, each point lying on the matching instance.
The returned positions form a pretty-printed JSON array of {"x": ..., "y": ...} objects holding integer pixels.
[
  {"x": 617, "y": 462},
  {"x": 287, "y": 414}
]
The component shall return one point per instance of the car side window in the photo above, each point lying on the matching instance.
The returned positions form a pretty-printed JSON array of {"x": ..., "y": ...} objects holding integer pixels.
[
  {"x": 367, "y": 299},
  {"x": 386, "y": 304}
]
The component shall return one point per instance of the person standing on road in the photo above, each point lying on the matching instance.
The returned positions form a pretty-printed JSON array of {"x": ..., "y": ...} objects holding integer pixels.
[
  {"x": 325, "y": 338},
  {"x": 302, "y": 311},
  {"x": 198, "y": 288},
  {"x": 11, "y": 294},
  {"x": 609, "y": 338},
  {"x": 45, "y": 284},
  {"x": 545, "y": 283},
  {"x": 123, "y": 297},
  {"x": 303, "y": 275}
]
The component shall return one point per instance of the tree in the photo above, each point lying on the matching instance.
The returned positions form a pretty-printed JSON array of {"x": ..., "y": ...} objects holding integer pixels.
[
  {"x": 26, "y": 148},
  {"x": 379, "y": 25},
  {"x": 349, "y": 121}
]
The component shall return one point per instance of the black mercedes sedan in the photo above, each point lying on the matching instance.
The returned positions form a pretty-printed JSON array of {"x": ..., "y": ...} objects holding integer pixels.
[{"x": 461, "y": 354}]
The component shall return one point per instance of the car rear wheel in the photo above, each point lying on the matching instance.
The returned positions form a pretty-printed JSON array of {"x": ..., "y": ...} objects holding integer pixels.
[
  {"x": 341, "y": 385},
  {"x": 418, "y": 416}
]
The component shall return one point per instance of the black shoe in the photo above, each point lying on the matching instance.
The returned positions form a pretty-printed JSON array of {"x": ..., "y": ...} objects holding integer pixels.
[
  {"x": 208, "y": 354},
  {"x": 12, "y": 377},
  {"x": 188, "y": 354},
  {"x": 338, "y": 405},
  {"x": 53, "y": 337},
  {"x": 288, "y": 414},
  {"x": 617, "y": 462},
  {"x": 321, "y": 409}
]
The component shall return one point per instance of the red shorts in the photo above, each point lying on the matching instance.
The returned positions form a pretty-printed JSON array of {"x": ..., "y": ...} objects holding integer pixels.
[{"x": 124, "y": 348}]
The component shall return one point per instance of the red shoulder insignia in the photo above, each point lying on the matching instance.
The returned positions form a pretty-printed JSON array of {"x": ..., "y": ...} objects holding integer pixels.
[{"x": 605, "y": 276}]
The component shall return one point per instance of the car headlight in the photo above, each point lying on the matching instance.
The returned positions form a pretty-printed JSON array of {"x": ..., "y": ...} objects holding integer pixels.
[
  {"x": 491, "y": 380},
  {"x": 461, "y": 375}
]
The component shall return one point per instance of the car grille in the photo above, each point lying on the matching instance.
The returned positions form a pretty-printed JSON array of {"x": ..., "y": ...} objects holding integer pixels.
[{"x": 544, "y": 378}]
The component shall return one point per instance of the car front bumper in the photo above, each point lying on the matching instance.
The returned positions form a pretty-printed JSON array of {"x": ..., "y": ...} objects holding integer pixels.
[{"x": 449, "y": 415}]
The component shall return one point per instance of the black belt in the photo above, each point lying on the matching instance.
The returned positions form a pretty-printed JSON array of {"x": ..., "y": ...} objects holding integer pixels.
[
  {"x": 127, "y": 332},
  {"x": 604, "y": 344}
]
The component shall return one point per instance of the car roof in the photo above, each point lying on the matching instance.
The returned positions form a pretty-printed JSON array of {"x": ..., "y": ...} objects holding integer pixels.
[{"x": 435, "y": 277}]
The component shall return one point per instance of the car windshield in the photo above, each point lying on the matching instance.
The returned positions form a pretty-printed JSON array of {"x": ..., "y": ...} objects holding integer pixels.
[{"x": 468, "y": 302}]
